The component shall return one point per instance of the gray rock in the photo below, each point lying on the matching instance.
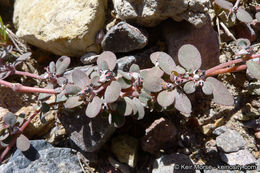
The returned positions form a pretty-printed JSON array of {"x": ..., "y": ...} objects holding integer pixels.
[
  {"x": 205, "y": 39},
  {"x": 125, "y": 63},
  {"x": 218, "y": 131},
  {"x": 87, "y": 134},
  {"x": 160, "y": 132},
  {"x": 124, "y": 38},
  {"x": 89, "y": 58},
  {"x": 241, "y": 157},
  {"x": 173, "y": 163},
  {"x": 230, "y": 141},
  {"x": 151, "y": 12},
  {"x": 42, "y": 157}
]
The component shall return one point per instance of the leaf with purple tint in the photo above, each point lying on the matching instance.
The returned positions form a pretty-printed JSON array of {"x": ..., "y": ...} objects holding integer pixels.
[
  {"x": 23, "y": 143},
  {"x": 165, "y": 61},
  {"x": 220, "y": 93},
  {"x": 71, "y": 89},
  {"x": 43, "y": 96},
  {"x": 189, "y": 87},
  {"x": 134, "y": 68},
  {"x": 22, "y": 58},
  {"x": 207, "y": 88},
  {"x": 52, "y": 67},
  {"x": 112, "y": 92},
  {"x": 62, "y": 81},
  {"x": 62, "y": 64},
  {"x": 124, "y": 74},
  {"x": 257, "y": 16},
  {"x": 73, "y": 102},
  {"x": 124, "y": 83},
  {"x": 109, "y": 58},
  {"x": 224, "y": 4},
  {"x": 132, "y": 104},
  {"x": 116, "y": 119},
  {"x": 5, "y": 74},
  {"x": 254, "y": 69},
  {"x": 80, "y": 79},
  {"x": 140, "y": 108},
  {"x": 124, "y": 107},
  {"x": 182, "y": 102},
  {"x": 9, "y": 119},
  {"x": 243, "y": 15},
  {"x": 94, "y": 107},
  {"x": 189, "y": 57},
  {"x": 165, "y": 98}
]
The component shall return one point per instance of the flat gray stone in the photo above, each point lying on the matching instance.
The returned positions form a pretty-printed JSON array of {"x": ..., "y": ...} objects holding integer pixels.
[
  {"x": 42, "y": 157},
  {"x": 173, "y": 163},
  {"x": 230, "y": 141},
  {"x": 241, "y": 157}
]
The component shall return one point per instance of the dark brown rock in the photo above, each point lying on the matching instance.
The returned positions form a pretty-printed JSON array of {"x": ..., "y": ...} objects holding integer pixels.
[
  {"x": 160, "y": 132},
  {"x": 245, "y": 31},
  {"x": 205, "y": 39}
]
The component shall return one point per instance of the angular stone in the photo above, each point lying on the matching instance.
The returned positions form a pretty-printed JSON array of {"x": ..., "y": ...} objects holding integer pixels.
[
  {"x": 205, "y": 39},
  {"x": 230, "y": 141},
  {"x": 125, "y": 149},
  {"x": 241, "y": 157},
  {"x": 160, "y": 132},
  {"x": 87, "y": 134},
  {"x": 42, "y": 157},
  {"x": 124, "y": 38},
  {"x": 172, "y": 163},
  {"x": 125, "y": 62},
  {"x": 58, "y": 26},
  {"x": 152, "y": 12}
]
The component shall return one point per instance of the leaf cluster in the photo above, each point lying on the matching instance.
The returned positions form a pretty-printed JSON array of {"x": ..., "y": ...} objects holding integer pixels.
[{"x": 10, "y": 128}]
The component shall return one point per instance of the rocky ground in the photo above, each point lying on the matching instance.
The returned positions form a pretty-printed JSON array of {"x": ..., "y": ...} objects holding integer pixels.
[{"x": 212, "y": 138}]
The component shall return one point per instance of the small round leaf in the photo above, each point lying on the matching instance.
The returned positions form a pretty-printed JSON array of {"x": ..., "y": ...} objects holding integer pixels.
[
  {"x": 124, "y": 83},
  {"x": 52, "y": 67},
  {"x": 134, "y": 68},
  {"x": 112, "y": 92},
  {"x": 140, "y": 109},
  {"x": 254, "y": 69},
  {"x": 80, "y": 79},
  {"x": 94, "y": 107},
  {"x": 220, "y": 93},
  {"x": 207, "y": 88},
  {"x": 224, "y": 4},
  {"x": 9, "y": 119},
  {"x": 22, "y": 143},
  {"x": 189, "y": 57},
  {"x": 165, "y": 98},
  {"x": 62, "y": 64},
  {"x": 182, "y": 102},
  {"x": 72, "y": 89},
  {"x": 243, "y": 15},
  {"x": 189, "y": 87},
  {"x": 257, "y": 16},
  {"x": 109, "y": 58},
  {"x": 72, "y": 102}
]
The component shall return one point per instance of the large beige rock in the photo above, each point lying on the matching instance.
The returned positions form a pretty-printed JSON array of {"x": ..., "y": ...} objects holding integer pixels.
[
  {"x": 152, "y": 12},
  {"x": 64, "y": 27}
]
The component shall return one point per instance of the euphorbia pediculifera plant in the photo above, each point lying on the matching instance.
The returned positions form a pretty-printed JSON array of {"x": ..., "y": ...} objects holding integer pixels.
[{"x": 120, "y": 93}]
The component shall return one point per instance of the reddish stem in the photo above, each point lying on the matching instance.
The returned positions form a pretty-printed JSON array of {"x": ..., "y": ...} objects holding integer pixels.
[
  {"x": 20, "y": 88},
  {"x": 27, "y": 74},
  {"x": 13, "y": 141}
]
